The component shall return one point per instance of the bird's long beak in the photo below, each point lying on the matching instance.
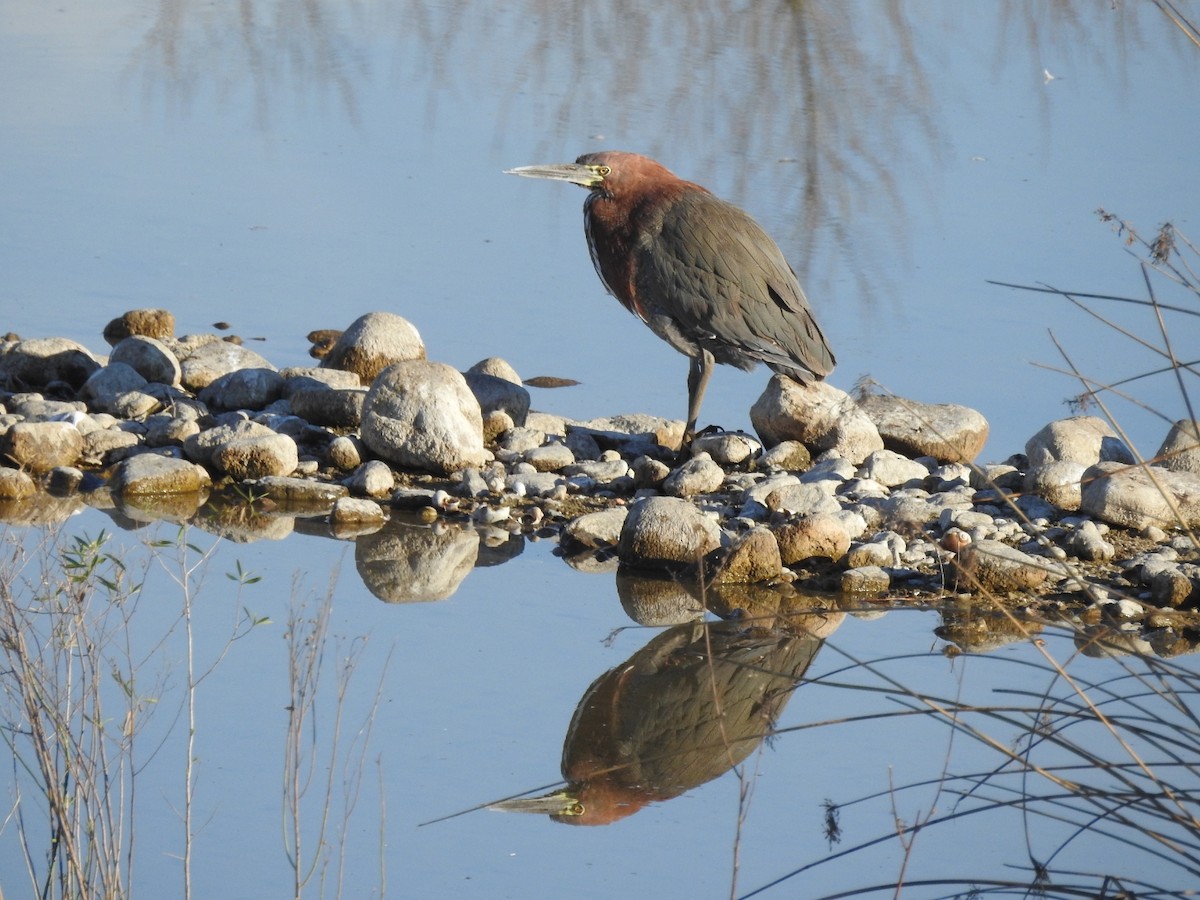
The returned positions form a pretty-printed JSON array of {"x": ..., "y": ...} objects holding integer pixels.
[
  {"x": 559, "y": 803},
  {"x": 585, "y": 176}
]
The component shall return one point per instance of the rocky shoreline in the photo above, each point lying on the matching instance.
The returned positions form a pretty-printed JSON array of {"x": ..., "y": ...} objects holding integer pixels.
[{"x": 867, "y": 499}]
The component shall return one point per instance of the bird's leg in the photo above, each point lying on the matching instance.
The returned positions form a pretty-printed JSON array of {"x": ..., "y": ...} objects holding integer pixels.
[{"x": 698, "y": 373}]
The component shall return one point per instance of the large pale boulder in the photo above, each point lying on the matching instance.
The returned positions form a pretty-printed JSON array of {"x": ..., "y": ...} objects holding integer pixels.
[
  {"x": 666, "y": 531},
  {"x": 422, "y": 415},
  {"x": 946, "y": 431},
  {"x": 372, "y": 343},
  {"x": 818, "y": 415}
]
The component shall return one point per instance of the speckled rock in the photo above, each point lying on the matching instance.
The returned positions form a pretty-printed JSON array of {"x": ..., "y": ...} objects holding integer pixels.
[
  {"x": 150, "y": 358},
  {"x": 333, "y": 408},
  {"x": 372, "y": 479},
  {"x": 345, "y": 452},
  {"x": 819, "y": 536},
  {"x": 1180, "y": 452},
  {"x": 752, "y": 558},
  {"x": 208, "y": 361},
  {"x": 666, "y": 531},
  {"x": 598, "y": 529},
  {"x": 496, "y": 367},
  {"x": 422, "y": 415},
  {"x": 727, "y": 448},
  {"x": 1081, "y": 439},
  {"x": 1057, "y": 482},
  {"x": 41, "y": 362},
  {"x": 891, "y": 469},
  {"x": 257, "y": 456},
  {"x": 40, "y": 446},
  {"x": 550, "y": 457},
  {"x": 995, "y": 566},
  {"x": 15, "y": 484},
  {"x": 1136, "y": 496},
  {"x": 818, "y": 415},
  {"x": 353, "y": 511},
  {"x": 289, "y": 490},
  {"x": 104, "y": 388},
  {"x": 1086, "y": 542},
  {"x": 200, "y": 447},
  {"x": 866, "y": 580},
  {"x": 251, "y": 388},
  {"x": 789, "y": 456},
  {"x": 149, "y": 473},
  {"x": 699, "y": 475},
  {"x": 499, "y": 394},
  {"x": 372, "y": 343},
  {"x": 945, "y": 431}
]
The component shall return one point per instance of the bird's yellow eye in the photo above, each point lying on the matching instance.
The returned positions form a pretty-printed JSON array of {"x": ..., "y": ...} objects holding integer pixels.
[
  {"x": 603, "y": 171},
  {"x": 575, "y": 809}
]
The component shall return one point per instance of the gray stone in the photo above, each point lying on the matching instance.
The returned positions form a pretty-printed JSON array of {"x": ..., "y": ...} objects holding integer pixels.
[
  {"x": 100, "y": 445},
  {"x": 257, "y": 456},
  {"x": 789, "y": 456},
  {"x": 666, "y": 531},
  {"x": 754, "y": 498},
  {"x": 818, "y": 415},
  {"x": 333, "y": 408},
  {"x": 1138, "y": 496},
  {"x": 253, "y": 388},
  {"x": 151, "y": 474},
  {"x": 549, "y": 457},
  {"x": 105, "y": 386},
  {"x": 882, "y": 550},
  {"x": 1082, "y": 439},
  {"x": 1086, "y": 542},
  {"x": 946, "y": 431},
  {"x": 994, "y": 566},
  {"x": 372, "y": 479},
  {"x": 699, "y": 475},
  {"x": 598, "y": 529},
  {"x": 602, "y": 471},
  {"x": 299, "y": 378},
  {"x": 752, "y": 558},
  {"x": 352, "y": 511},
  {"x": 801, "y": 500},
  {"x": 40, "y": 446},
  {"x": 15, "y": 484},
  {"x": 345, "y": 452},
  {"x": 1057, "y": 482},
  {"x": 422, "y": 415},
  {"x": 34, "y": 408},
  {"x": 498, "y": 394},
  {"x": 497, "y": 368},
  {"x": 519, "y": 440},
  {"x": 727, "y": 448},
  {"x": 891, "y": 469},
  {"x": 866, "y": 580},
  {"x": 372, "y": 343},
  {"x": 150, "y": 358},
  {"x": 649, "y": 472},
  {"x": 209, "y": 361},
  {"x": 820, "y": 536},
  {"x": 292, "y": 491},
  {"x": 1180, "y": 452},
  {"x": 40, "y": 362},
  {"x": 200, "y": 447},
  {"x": 534, "y": 484}
]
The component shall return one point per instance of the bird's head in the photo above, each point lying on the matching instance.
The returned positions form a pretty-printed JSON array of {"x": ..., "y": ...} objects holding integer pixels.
[{"x": 611, "y": 172}]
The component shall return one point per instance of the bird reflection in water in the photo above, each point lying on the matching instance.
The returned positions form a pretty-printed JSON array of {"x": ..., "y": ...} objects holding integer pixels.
[{"x": 668, "y": 720}]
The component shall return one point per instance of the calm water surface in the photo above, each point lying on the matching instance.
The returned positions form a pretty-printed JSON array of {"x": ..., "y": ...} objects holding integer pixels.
[{"x": 286, "y": 167}]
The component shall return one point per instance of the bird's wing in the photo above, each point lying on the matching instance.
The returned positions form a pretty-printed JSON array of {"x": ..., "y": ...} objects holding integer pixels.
[{"x": 720, "y": 278}]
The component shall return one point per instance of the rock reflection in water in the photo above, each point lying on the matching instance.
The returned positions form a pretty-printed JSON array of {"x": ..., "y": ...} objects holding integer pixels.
[
  {"x": 407, "y": 562},
  {"x": 673, "y": 717}
]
